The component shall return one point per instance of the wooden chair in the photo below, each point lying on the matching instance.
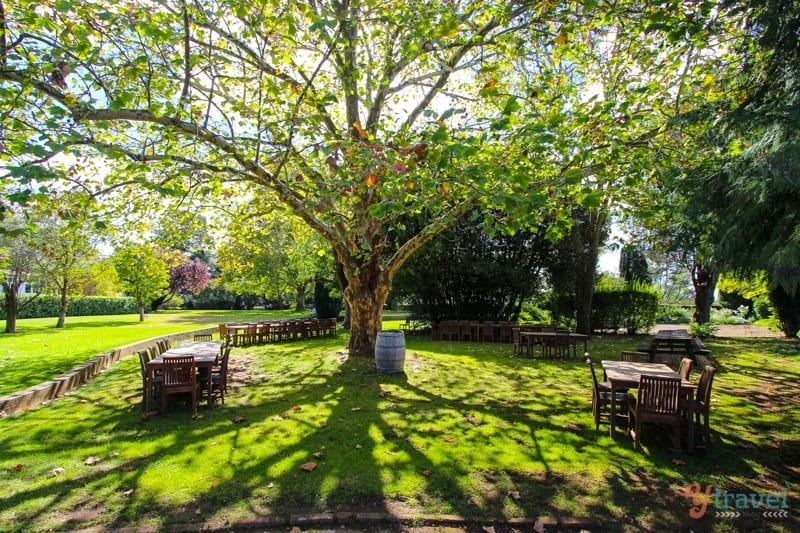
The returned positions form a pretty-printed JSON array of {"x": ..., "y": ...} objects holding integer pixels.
[
  {"x": 685, "y": 368},
  {"x": 521, "y": 342},
  {"x": 703, "y": 400},
  {"x": 180, "y": 377},
  {"x": 658, "y": 403},
  {"x": 601, "y": 398},
  {"x": 163, "y": 345},
  {"x": 219, "y": 378},
  {"x": 202, "y": 337},
  {"x": 635, "y": 357},
  {"x": 154, "y": 382},
  {"x": 559, "y": 346}
]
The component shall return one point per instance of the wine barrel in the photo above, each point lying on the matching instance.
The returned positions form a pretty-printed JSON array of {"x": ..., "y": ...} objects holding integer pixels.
[{"x": 390, "y": 351}]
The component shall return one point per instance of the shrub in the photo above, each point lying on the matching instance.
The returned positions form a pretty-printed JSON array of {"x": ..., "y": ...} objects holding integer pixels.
[
  {"x": 702, "y": 330},
  {"x": 631, "y": 306},
  {"x": 45, "y": 306}
]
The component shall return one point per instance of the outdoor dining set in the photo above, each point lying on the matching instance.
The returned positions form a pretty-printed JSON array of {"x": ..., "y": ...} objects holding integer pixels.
[
  {"x": 262, "y": 332},
  {"x": 196, "y": 370},
  {"x": 638, "y": 391}
]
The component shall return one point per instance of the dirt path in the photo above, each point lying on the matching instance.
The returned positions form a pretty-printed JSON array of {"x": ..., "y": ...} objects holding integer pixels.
[{"x": 729, "y": 330}]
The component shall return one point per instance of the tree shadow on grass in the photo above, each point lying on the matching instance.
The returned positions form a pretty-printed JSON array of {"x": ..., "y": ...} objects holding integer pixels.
[{"x": 477, "y": 434}]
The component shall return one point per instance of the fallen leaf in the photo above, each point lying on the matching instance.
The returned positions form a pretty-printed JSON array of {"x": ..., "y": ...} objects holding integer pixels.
[
  {"x": 58, "y": 471},
  {"x": 678, "y": 462},
  {"x": 385, "y": 393},
  {"x": 426, "y": 473},
  {"x": 309, "y": 466},
  {"x": 278, "y": 418},
  {"x": 297, "y": 408},
  {"x": 355, "y": 409},
  {"x": 127, "y": 468},
  {"x": 317, "y": 455},
  {"x": 514, "y": 494},
  {"x": 91, "y": 461},
  {"x": 238, "y": 420},
  {"x": 358, "y": 446},
  {"x": 198, "y": 512},
  {"x": 127, "y": 492},
  {"x": 449, "y": 439},
  {"x": 17, "y": 468}
]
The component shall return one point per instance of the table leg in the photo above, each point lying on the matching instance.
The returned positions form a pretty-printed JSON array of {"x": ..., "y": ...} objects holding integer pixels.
[
  {"x": 613, "y": 416},
  {"x": 209, "y": 388},
  {"x": 148, "y": 389}
]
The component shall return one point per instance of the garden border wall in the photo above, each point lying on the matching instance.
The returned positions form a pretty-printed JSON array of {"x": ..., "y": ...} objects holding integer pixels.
[{"x": 80, "y": 375}]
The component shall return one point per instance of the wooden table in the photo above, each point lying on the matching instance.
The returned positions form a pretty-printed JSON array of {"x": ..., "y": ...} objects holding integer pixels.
[
  {"x": 545, "y": 336},
  {"x": 625, "y": 375},
  {"x": 205, "y": 355}
]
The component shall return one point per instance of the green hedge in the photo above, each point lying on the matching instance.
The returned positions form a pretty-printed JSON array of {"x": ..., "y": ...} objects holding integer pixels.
[
  {"x": 633, "y": 308},
  {"x": 47, "y": 306}
]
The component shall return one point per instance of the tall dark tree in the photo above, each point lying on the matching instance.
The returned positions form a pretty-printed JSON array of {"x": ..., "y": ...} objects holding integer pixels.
[
  {"x": 633, "y": 265},
  {"x": 753, "y": 195},
  {"x": 469, "y": 273}
]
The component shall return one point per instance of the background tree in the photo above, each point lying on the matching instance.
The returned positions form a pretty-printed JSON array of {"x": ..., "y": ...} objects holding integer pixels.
[
  {"x": 65, "y": 238},
  {"x": 186, "y": 276},
  {"x": 18, "y": 262},
  {"x": 470, "y": 273},
  {"x": 142, "y": 272},
  {"x": 272, "y": 254},
  {"x": 633, "y": 265}
]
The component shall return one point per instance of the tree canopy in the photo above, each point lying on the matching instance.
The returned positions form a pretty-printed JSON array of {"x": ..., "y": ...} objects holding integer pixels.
[{"x": 356, "y": 113}]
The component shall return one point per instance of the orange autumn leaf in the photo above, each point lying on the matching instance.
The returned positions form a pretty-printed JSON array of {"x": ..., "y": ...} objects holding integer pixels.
[
  {"x": 372, "y": 180},
  {"x": 309, "y": 466},
  {"x": 360, "y": 129},
  {"x": 490, "y": 84}
]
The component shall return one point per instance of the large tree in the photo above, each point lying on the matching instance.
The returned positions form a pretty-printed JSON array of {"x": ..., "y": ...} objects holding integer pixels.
[{"x": 351, "y": 112}]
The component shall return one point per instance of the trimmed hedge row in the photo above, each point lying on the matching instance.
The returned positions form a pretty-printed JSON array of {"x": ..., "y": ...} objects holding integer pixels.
[
  {"x": 47, "y": 306},
  {"x": 633, "y": 309}
]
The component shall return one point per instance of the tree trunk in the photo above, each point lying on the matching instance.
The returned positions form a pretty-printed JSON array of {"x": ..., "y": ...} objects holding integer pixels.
[
  {"x": 787, "y": 310},
  {"x": 62, "y": 307},
  {"x": 704, "y": 280},
  {"x": 301, "y": 297},
  {"x": 586, "y": 231},
  {"x": 12, "y": 307},
  {"x": 341, "y": 281},
  {"x": 141, "y": 313},
  {"x": 366, "y": 294}
]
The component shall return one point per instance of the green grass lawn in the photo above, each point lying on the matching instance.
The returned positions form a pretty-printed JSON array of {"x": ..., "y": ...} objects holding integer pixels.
[
  {"x": 467, "y": 429},
  {"x": 39, "y": 351}
]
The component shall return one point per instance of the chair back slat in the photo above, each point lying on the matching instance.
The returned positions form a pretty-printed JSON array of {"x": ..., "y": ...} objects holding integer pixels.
[
  {"x": 635, "y": 357},
  {"x": 179, "y": 370},
  {"x": 658, "y": 395}
]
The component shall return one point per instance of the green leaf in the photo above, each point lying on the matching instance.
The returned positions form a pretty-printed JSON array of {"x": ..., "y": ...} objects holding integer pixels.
[
  {"x": 512, "y": 106},
  {"x": 573, "y": 176}
]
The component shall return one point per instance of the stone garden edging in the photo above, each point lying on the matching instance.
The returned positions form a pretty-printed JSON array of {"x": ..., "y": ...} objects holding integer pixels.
[{"x": 82, "y": 374}]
